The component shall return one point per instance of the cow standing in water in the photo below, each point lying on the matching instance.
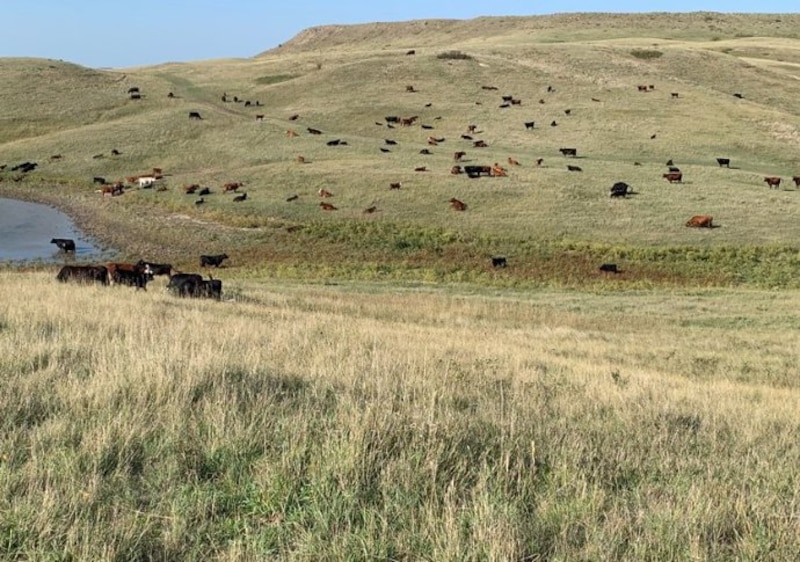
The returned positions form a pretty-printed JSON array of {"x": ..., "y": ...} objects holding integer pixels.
[{"x": 64, "y": 244}]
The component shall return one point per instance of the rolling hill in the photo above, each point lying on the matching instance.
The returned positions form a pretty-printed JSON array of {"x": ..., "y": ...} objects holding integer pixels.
[{"x": 344, "y": 81}]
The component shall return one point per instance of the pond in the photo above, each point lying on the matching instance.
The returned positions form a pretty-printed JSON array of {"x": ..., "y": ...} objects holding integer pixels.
[{"x": 27, "y": 228}]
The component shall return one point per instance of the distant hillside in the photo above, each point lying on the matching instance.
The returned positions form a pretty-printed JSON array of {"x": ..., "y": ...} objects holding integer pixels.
[{"x": 542, "y": 29}]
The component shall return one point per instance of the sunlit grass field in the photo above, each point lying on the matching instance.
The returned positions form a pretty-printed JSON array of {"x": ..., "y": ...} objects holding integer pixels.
[
  {"x": 296, "y": 421},
  {"x": 370, "y": 387}
]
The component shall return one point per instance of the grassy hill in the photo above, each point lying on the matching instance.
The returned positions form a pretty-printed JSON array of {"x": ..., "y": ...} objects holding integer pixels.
[{"x": 343, "y": 80}]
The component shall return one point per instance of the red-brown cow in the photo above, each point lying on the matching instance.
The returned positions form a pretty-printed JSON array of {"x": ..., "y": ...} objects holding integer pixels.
[
  {"x": 773, "y": 181},
  {"x": 700, "y": 221},
  {"x": 673, "y": 177}
]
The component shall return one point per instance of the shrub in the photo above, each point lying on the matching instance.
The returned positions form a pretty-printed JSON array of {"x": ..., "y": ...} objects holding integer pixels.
[
  {"x": 646, "y": 53},
  {"x": 457, "y": 55}
]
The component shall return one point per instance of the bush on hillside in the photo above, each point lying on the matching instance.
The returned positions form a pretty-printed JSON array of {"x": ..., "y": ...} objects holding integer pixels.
[
  {"x": 454, "y": 55},
  {"x": 646, "y": 53}
]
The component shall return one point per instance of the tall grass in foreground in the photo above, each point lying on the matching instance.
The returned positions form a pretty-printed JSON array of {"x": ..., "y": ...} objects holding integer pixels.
[{"x": 329, "y": 423}]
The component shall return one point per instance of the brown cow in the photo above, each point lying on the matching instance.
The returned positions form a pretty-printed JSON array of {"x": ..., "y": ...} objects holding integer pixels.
[
  {"x": 369, "y": 210},
  {"x": 459, "y": 155},
  {"x": 300, "y": 159},
  {"x": 327, "y": 207},
  {"x": 231, "y": 186},
  {"x": 190, "y": 189},
  {"x": 773, "y": 181},
  {"x": 291, "y": 133},
  {"x": 458, "y": 205},
  {"x": 513, "y": 161},
  {"x": 480, "y": 144},
  {"x": 673, "y": 177},
  {"x": 455, "y": 170},
  {"x": 498, "y": 170},
  {"x": 325, "y": 193},
  {"x": 700, "y": 221}
]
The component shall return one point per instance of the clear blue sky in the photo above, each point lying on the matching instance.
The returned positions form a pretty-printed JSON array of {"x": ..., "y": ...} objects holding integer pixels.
[{"x": 121, "y": 33}]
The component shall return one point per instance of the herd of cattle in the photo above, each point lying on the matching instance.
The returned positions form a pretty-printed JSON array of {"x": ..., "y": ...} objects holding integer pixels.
[{"x": 139, "y": 274}]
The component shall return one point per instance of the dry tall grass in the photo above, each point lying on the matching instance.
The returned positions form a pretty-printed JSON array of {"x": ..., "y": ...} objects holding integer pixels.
[{"x": 346, "y": 422}]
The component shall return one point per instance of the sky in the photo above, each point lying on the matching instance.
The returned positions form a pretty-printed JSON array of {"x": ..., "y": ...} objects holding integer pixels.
[{"x": 126, "y": 33}]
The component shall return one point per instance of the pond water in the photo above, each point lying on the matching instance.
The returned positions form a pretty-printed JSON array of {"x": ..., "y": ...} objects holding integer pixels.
[{"x": 27, "y": 228}]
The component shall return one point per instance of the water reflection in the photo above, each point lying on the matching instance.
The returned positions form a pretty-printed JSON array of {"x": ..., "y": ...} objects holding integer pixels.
[{"x": 27, "y": 228}]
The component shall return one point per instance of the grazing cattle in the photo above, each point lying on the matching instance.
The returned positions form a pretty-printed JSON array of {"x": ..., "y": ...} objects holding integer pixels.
[
  {"x": 247, "y": 103},
  {"x": 435, "y": 140},
  {"x": 574, "y": 168},
  {"x": 455, "y": 170},
  {"x": 131, "y": 274},
  {"x": 290, "y": 133},
  {"x": 83, "y": 274},
  {"x": 499, "y": 261},
  {"x": 467, "y": 137},
  {"x": 431, "y": 141},
  {"x": 411, "y": 52},
  {"x": 457, "y": 156},
  {"x": 553, "y": 124},
  {"x": 539, "y": 162},
  {"x": 796, "y": 180},
  {"x": 619, "y": 189},
  {"x": 215, "y": 260},
  {"x": 488, "y": 87},
  {"x": 301, "y": 159},
  {"x": 392, "y": 119},
  {"x": 408, "y": 121},
  {"x": 550, "y": 89},
  {"x": 395, "y": 185},
  {"x": 641, "y": 88},
  {"x": 115, "y": 152},
  {"x": 670, "y": 162},
  {"x": 738, "y": 95},
  {"x": 294, "y": 197},
  {"x": 25, "y": 167},
  {"x": 472, "y": 128},
  {"x": 424, "y": 126},
  {"x": 325, "y": 193},
  {"x": 191, "y": 189},
  {"x": 410, "y": 88},
  {"x": 608, "y": 268},
  {"x": 204, "y": 191},
  {"x": 327, "y": 206},
  {"x": 112, "y": 190},
  {"x": 773, "y": 181},
  {"x": 146, "y": 181},
  {"x": 370, "y": 210},
  {"x": 136, "y": 96},
  {"x": 384, "y": 150},
  {"x": 513, "y": 161},
  {"x": 390, "y": 142},
  {"x": 674, "y": 169},
  {"x": 241, "y": 197},
  {"x": 193, "y": 285},
  {"x": 133, "y": 90},
  {"x": 507, "y": 98},
  {"x": 595, "y": 100},
  {"x": 194, "y": 115},
  {"x": 260, "y": 117},
  {"x": 504, "y": 105},
  {"x": 477, "y": 171},
  {"x": 99, "y": 179},
  {"x": 313, "y": 131},
  {"x": 458, "y": 205},
  {"x": 334, "y": 142},
  {"x": 420, "y": 169},
  {"x": 64, "y": 244},
  {"x": 159, "y": 268},
  {"x": 170, "y": 95},
  {"x": 294, "y": 117},
  {"x": 651, "y": 87},
  {"x": 724, "y": 162},
  {"x": 200, "y": 201},
  {"x": 530, "y": 124},
  {"x": 479, "y": 144},
  {"x": 673, "y": 177},
  {"x": 425, "y": 151},
  {"x": 132, "y": 179},
  {"x": 652, "y": 136},
  {"x": 55, "y": 157},
  {"x": 567, "y": 111},
  {"x": 700, "y": 221},
  {"x": 675, "y": 94},
  {"x": 516, "y": 102},
  {"x": 498, "y": 170},
  {"x": 569, "y": 151}
]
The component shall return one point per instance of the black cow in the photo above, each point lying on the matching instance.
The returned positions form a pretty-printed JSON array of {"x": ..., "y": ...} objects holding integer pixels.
[
  {"x": 240, "y": 197},
  {"x": 83, "y": 274},
  {"x": 574, "y": 168},
  {"x": 64, "y": 244},
  {"x": 724, "y": 162},
  {"x": 137, "y": 278},
  {"x": 569, "y": 151},
  {"x": 159, "y": 268},
  {"x": 499, "y": 261},
  {"x": 477, "y": 171},
  {"x": 194, "y": 115},
  {"x": 193, "y": 285},
  {"x": 620, "y": 189},
  {"x": 530, "y": 124},
  {"x": 25, "y": 167},
  {"x": 609, "y": 268},
  {"x": 133, "y": 90},
  {"x": 99, "y": 179},
  {"x": 216, "y": 261}
]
